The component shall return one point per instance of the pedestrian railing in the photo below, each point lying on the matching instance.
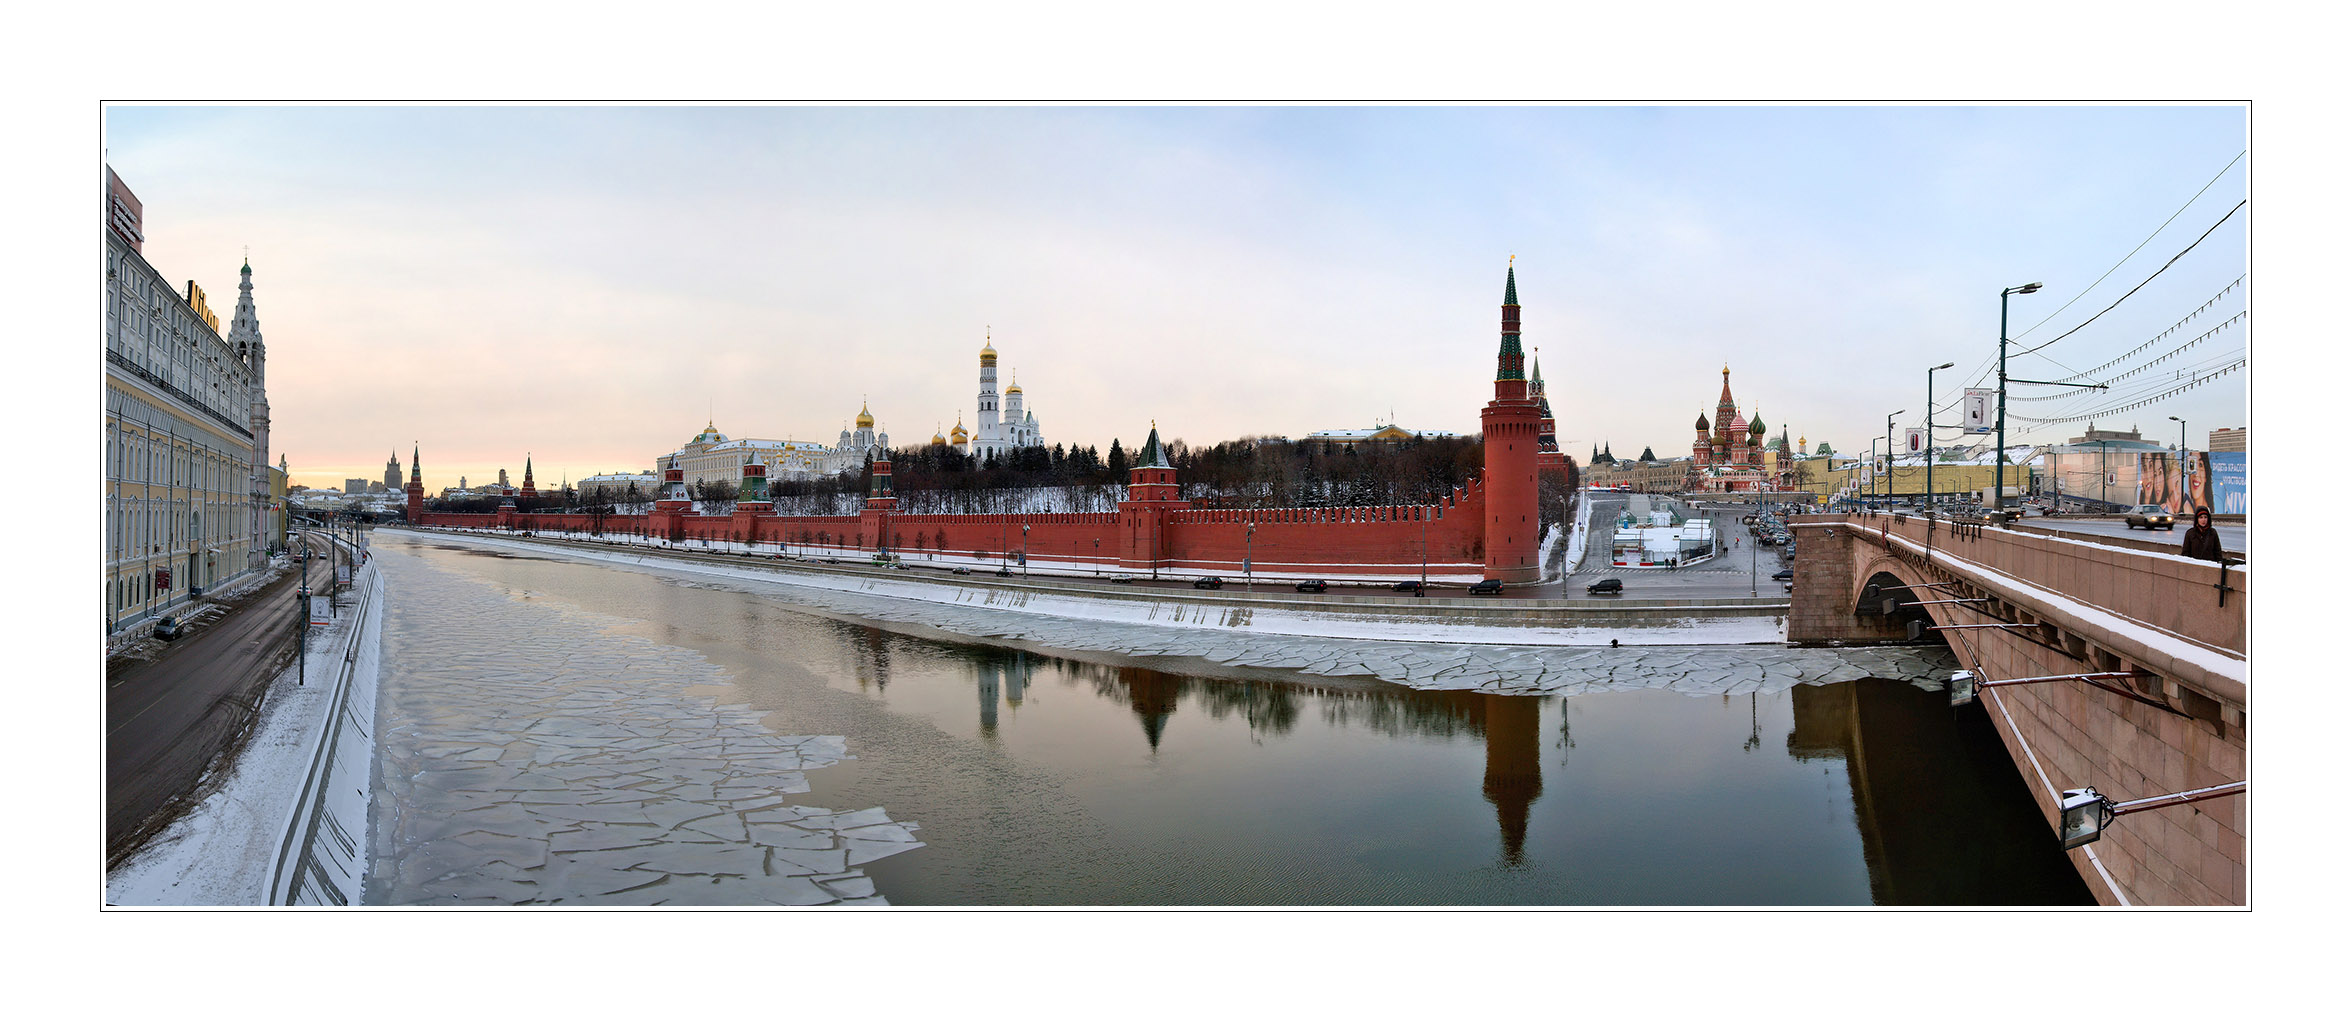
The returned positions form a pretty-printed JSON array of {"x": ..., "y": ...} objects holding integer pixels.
[{"x": 321, "y": 856}]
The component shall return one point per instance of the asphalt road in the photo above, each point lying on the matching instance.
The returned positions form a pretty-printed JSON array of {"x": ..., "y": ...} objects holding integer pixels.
[
  {"x": 2233, "y": 536},
  {"x": 169, "y": 715}
]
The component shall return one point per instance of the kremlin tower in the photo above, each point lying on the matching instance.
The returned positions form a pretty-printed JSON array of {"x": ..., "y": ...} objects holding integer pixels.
[{"x": 1511, "y": 424}]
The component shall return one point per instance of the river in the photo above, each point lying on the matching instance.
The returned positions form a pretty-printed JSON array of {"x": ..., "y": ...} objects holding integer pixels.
[{"x": 564, "y": 730}]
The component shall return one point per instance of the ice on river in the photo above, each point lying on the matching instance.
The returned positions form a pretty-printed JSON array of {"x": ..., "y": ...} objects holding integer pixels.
[{"x": 531, "y": 754}]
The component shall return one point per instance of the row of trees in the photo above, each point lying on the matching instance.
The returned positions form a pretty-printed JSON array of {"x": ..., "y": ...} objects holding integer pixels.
[{"x": 1246, "y": 473}]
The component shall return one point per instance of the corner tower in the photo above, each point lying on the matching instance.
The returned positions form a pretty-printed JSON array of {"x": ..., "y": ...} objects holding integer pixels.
[{"x": 1510, "y": 426}]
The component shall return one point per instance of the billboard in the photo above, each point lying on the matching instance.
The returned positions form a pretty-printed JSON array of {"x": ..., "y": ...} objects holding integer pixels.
[
  {"x": 1914, "y": 440},
  {"x": 2182, "y": 483},
  {"x": 1976, "y": 410},
  {"x": 2229, "y": 482}
]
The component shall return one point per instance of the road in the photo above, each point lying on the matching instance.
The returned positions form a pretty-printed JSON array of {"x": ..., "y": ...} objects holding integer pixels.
[
  {"x": 2233, "y": 536},
  {"x": 168, "y": 716}
]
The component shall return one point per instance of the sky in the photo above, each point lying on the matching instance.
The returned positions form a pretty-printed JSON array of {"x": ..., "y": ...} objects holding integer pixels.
[{"x": 592, "y": 285}]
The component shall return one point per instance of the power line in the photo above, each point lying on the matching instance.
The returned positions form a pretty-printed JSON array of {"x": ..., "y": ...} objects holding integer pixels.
[
  {"x": 2149, "y": 364},
  {"x": 2135, "y": 288},
  {"x": 2196, "y": 382},
  {"x": 2151, "y": 342},
  {"x": 2136, "y": 249}
]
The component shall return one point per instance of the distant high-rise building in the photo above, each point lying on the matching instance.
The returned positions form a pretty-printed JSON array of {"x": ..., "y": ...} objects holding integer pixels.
[
  {"x": 354, "y": 486},
  {"x": 392, "y": 471},
  {"x": 2227, "y": 440}
]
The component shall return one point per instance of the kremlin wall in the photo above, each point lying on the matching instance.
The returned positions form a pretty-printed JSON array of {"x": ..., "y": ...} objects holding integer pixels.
[{"x": 1485, "y": 530}]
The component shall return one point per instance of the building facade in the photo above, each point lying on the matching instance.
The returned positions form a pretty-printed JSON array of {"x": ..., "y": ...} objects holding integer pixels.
[{"x": 187, "y": 480}]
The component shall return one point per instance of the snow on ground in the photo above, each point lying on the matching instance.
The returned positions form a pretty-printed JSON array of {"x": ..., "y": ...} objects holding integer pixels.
[
  {"x": 1679, "y": 653},
  {"x": 222, "y": 853}
]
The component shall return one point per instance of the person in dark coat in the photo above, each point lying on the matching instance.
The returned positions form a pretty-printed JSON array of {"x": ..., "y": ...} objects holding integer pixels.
[{"x": 2202, "y": 541}]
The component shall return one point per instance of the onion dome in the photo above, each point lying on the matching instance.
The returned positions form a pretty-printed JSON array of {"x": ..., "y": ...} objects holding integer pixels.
[
  {"x": 988, "y": 351},
  {"x": 938, "y": 439},
  {"x": 865, "y": 419},
  {"x": 957, "y": 436},
  {"x": 1756, "y": 424},
  {"x": 1702, "y": 422},
  {"x": 1016, "y": 387}
]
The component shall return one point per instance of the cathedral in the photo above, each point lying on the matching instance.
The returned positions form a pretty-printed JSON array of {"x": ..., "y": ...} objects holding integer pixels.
[{"x": 1733, "y": 458}]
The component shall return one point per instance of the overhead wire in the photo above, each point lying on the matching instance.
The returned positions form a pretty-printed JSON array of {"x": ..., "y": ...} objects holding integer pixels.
[
  {"x": 2136, "y": 249},
  {"x": 2135, "y": 288}
]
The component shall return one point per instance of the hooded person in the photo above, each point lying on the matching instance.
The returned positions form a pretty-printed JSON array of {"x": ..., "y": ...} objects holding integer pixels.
[{"x": 2202, "y": 541}]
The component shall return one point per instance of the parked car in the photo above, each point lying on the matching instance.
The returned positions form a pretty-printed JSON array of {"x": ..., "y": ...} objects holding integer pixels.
[
  {"x": 1209, "y": 582},
  {"x": 961, "y": 570},
  {"x": 2150, "y": 516},
  {"x": 1312, "y": 587},
  {"x": 1122, "y": 578},
  {"x": 1003, "y": 571},
  {"x": 1611, "y": 585},
  {"x": 169, "y": 628},
  {"x": 1487, "y": 587},
  {"x": 1407, "y": 587},
  {"x": 1785, "y": 574}
]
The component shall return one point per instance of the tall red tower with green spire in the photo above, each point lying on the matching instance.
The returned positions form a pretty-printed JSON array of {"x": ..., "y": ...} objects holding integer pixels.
[
  {"x": 1511, "y": 425},
  {"x": 415, "y": 488}
]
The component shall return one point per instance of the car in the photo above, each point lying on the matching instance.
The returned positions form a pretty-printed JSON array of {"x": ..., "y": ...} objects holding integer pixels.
[
  {"x": 1612, "y": 585},
  {"x": 1312, "y": 587},
  {"x": 1487, "y": 587},
  {"x": 1785, "y": 574},
  {"x": 1003, "y": 571},
  {"x": 1407, "y": 587},
  {"x": 2150, "y": 516},
  {"x": 1209, "y": 582},
  {"x": 961, "y": 570},
  {"x": 169, "y": 628},
  {"x": 1122, "y": 578}
]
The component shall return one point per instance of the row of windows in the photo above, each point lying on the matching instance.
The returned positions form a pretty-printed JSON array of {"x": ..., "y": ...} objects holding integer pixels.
[
  {"x": 146, "y": 526},
  {"x": 137, "y": 457}
]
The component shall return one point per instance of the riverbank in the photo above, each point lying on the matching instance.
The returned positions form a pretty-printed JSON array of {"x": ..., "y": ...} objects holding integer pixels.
[
  {"x": 1519, "y": 661},
  {"x": 1587, "y": 621}
]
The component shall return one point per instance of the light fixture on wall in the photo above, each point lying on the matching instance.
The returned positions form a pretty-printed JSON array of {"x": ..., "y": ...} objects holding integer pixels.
[{"x": 2083, "y": 812}]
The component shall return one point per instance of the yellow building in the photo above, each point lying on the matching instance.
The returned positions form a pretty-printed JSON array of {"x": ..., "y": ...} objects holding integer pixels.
[{"x": 187, "y": 478}]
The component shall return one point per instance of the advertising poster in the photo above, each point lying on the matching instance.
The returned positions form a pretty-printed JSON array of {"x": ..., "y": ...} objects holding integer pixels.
[
  {"x": 2181, "y": 483},
  {"x": 2229, "y": 482},
  {"x": 1914, "y": 440},
  {"x": 1976, "y": 410}
]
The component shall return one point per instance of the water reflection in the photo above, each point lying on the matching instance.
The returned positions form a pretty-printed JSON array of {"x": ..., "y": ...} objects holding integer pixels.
[{"x": 1047, "y": 779}]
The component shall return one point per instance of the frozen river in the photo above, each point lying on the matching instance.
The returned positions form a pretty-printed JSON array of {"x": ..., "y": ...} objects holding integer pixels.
[{"x": 564, "y": 730}]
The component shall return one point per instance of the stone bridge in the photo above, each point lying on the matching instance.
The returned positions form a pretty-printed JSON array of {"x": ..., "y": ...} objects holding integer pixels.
[{"x": 2017, "y": 604}]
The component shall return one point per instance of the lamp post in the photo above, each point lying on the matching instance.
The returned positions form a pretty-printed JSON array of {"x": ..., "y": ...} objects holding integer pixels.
[
  {"x": 1930, "y": 423},
  {"x": 2001, "y": 414},
  {"x": 1873, "y": 496},
  {"x": 1249, "y": 550},
  {"x": 1024, "y": 551},
  {"x": 2181, "y": 454},
  {"x": 1890, "y": 438}
]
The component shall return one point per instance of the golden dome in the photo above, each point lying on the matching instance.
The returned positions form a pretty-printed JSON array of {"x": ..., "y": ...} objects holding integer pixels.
[
  {"x": 1016, "y": 387},
  {"x": 938, "y": 440},
  {"x": 988, "y": 351},
  {"x": 864, "y": 419}
]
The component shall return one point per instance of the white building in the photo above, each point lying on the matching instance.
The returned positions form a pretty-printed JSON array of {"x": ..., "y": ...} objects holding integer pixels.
[{"x": 1017, "y": 425}]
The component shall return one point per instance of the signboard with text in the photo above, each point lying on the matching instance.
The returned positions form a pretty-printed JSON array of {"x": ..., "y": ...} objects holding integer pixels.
[
  {"x": 319, "y": 611},
  {"x": 1976, "y": 410}
]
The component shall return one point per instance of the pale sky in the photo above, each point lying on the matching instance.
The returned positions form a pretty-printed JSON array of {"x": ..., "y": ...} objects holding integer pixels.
[{"x": 590, "y": 285}]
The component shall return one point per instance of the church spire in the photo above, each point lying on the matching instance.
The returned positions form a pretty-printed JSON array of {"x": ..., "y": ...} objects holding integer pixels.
[{"x": 415, "y": 472}]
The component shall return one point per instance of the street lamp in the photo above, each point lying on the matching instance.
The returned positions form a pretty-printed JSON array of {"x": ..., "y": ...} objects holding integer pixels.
[
  {"x": 2182, "y": 453},
  {"x": 1873, "y": 496},
  {"x": 1930, "y": 423},
  {"x": 1249, "y": 551},
  {"x": 1024, "y": 551},
  {"x": 2001, "y": 414},
  {"x": 1890, "y": 437}
]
